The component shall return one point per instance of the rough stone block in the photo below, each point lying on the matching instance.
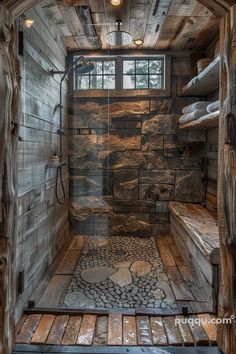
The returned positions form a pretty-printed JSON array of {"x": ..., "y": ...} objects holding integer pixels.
[
  {"x": 161, "y": 124},
  {"x": 124, "y": 108},
  {"x": 161, "y": 105},
  {"x": 130, "y": 224},
  {"x": 137, "y": 206},
  {"x": 126, "y": 184},
  {"x": 129, "y": 159},
  {"x": 114, "y": 142},
  {"x": 189, "y": 186},
  {"x": 83, "y": 145},
  {"x": 82, "y": 162},
  {"x": 154, "y": 160},
  {"x": 163, "y": 192},
  {"x": 152, "y": 142},
  {"x": 78, "y": 121},
  {"x": 156, "y": 176}
]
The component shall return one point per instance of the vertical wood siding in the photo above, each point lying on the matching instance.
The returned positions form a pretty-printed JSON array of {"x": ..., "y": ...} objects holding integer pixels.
[{"x": 42, "y": 222}]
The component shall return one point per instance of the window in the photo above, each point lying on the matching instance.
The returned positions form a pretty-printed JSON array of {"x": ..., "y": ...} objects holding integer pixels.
[
  {"x": 143, "y": 73},
  {"x": 125, "y": 73},
  {"x": 101, "y": 78}
]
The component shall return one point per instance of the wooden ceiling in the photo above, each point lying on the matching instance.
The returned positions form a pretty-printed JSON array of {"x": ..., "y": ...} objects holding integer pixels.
[{"x": 161, "y": 24}]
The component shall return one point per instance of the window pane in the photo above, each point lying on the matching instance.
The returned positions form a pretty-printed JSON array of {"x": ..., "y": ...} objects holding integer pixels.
[
  {"x": 82, "y": 82},
  {"x": 155, "y": 81},
  {"x": 155, "y": 66},
  {"x": 109, "y": 67},
  {"x": 141, "y": 81},
  {"x": 109, "y": 82},
  {"x": 96, "y": 82},
  {"x": 98, "y": 67},
  {"x": 128, "y": 67},
  {"x": 128, "y": 81},
  {"x": 142, "y": 66}
]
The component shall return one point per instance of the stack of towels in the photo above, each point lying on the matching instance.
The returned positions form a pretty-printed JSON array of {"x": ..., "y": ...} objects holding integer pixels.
[{"x": 198, "y": 110}]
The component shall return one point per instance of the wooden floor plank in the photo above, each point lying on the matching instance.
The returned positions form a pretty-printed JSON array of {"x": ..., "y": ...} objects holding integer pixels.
[
  {"x": 20, "y": 324},
  {"x": 72, "y": 330},
  {"x": 198, "y": 332},
  {"x": 54, "y": 291},
  {"x": 115, "y": 330},
  {"x": 178, "y": 285},
  {"x": 26, "y": 333},
  {"x": 200, "y": 294},
  {"x": 185, "y": 331},
  {"x": 172, "y": 331},
  {"x": 68, "y": 263},
  {"x": 101, "y": 331},
  {"x": 43, "y": 329},
  {"x": 57, "y": 331},
  {"x": 168, "y": 260},
  {"x": 209, "y": 327},
  {"x": 144, "y": 330},
  {"x": 177, "y": 256},
  {"x": 158, "y": 331},
  {"x": 87, "y": 329},
  {"x": 163, "y": 246},
  {"x": 129, "y": 330},
  {"x": 78, "y": 242}
]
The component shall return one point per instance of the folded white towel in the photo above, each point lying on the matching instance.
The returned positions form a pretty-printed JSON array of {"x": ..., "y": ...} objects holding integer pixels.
[
  {"x": 195, "y": 106},
  {"x": 188, "y": 117},
  {"x": 214, "y": 106}
]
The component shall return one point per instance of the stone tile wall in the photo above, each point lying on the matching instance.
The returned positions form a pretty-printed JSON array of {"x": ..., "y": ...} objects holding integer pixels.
[{"x": 127, "y": 160}]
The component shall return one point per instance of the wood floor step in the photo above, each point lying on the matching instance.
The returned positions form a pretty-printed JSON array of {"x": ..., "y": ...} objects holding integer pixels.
[{"x": 116, "y": 330}]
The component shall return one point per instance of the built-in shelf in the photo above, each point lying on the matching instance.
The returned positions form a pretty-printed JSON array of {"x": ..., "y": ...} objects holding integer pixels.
[
  {"x": 205, "y": 82},
  {"x": 205, "y": 122},
  {"x": 56, "y": 165}
]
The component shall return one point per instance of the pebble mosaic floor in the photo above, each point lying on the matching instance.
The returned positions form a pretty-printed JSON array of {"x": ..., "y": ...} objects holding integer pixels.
[{"x": 120, "y": 272}]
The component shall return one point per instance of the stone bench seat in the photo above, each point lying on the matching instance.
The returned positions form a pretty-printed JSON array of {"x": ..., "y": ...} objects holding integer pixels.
[{"x": 196, "y": 233}]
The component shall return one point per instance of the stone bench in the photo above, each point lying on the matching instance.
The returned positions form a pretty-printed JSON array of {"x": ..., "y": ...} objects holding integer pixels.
[{"x": 196, "y": 234}]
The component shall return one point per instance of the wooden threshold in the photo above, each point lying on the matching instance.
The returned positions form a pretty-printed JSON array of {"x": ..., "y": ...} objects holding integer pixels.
[
  {"x": 30, "y": 349},
  {"x": 117, "y": 330}
]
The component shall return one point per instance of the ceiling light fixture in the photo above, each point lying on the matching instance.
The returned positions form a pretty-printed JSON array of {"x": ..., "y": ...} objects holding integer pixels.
[
  {"x": 118, "y": 38},
  {"x": 138, "y": 42},
  {"x": 28, "y": 22},
  {"x": 116, "y": 2}
]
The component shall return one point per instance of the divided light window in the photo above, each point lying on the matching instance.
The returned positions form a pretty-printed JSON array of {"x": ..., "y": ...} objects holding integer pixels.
[
  {"x": 101, "y": 78},
  {"x": 143, "y": 73},
  {"x": 122, "y": 73}
]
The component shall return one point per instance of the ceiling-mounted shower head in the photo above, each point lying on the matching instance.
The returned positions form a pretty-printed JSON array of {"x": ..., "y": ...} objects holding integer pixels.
[{"x": 118, "y": 38}]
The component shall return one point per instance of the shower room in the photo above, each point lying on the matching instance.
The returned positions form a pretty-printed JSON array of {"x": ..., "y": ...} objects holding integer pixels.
[{"x": 120, "y": 203}]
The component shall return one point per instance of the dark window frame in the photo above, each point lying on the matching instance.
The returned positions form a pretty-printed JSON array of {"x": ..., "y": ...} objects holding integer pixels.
[
  {"x": 148, "y": 74},
  {"x": 119, "y": 91}
]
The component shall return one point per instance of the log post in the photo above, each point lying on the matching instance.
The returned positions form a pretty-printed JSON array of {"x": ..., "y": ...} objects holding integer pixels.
[
  {"x": 9, "y": 110},
  {"x": 227, "y": 181}
]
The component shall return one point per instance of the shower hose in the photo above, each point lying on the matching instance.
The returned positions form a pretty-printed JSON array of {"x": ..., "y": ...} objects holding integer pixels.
[{"x": 59, "y": 176}]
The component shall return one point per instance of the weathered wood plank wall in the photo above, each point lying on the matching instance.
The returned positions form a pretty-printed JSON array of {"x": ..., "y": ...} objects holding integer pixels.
[{"x": 42, "y": 223}]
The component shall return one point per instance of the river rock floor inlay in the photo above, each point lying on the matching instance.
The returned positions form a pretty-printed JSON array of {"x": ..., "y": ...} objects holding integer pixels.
[{"x": 120, "y": 272}]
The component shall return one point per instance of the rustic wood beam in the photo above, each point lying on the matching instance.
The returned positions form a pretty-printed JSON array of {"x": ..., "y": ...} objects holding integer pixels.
[
  {"x": 84, "y": 14},
  {"x": 227, "y": 181},
  {"x": 9, "y": 109}
]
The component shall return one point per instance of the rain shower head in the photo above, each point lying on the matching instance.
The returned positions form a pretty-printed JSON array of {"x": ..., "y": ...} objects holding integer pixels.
[
  {"x": 80, "y": 68},
  {"x": 118, "y": 38},
  {"x": 84, "y": 68}
]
